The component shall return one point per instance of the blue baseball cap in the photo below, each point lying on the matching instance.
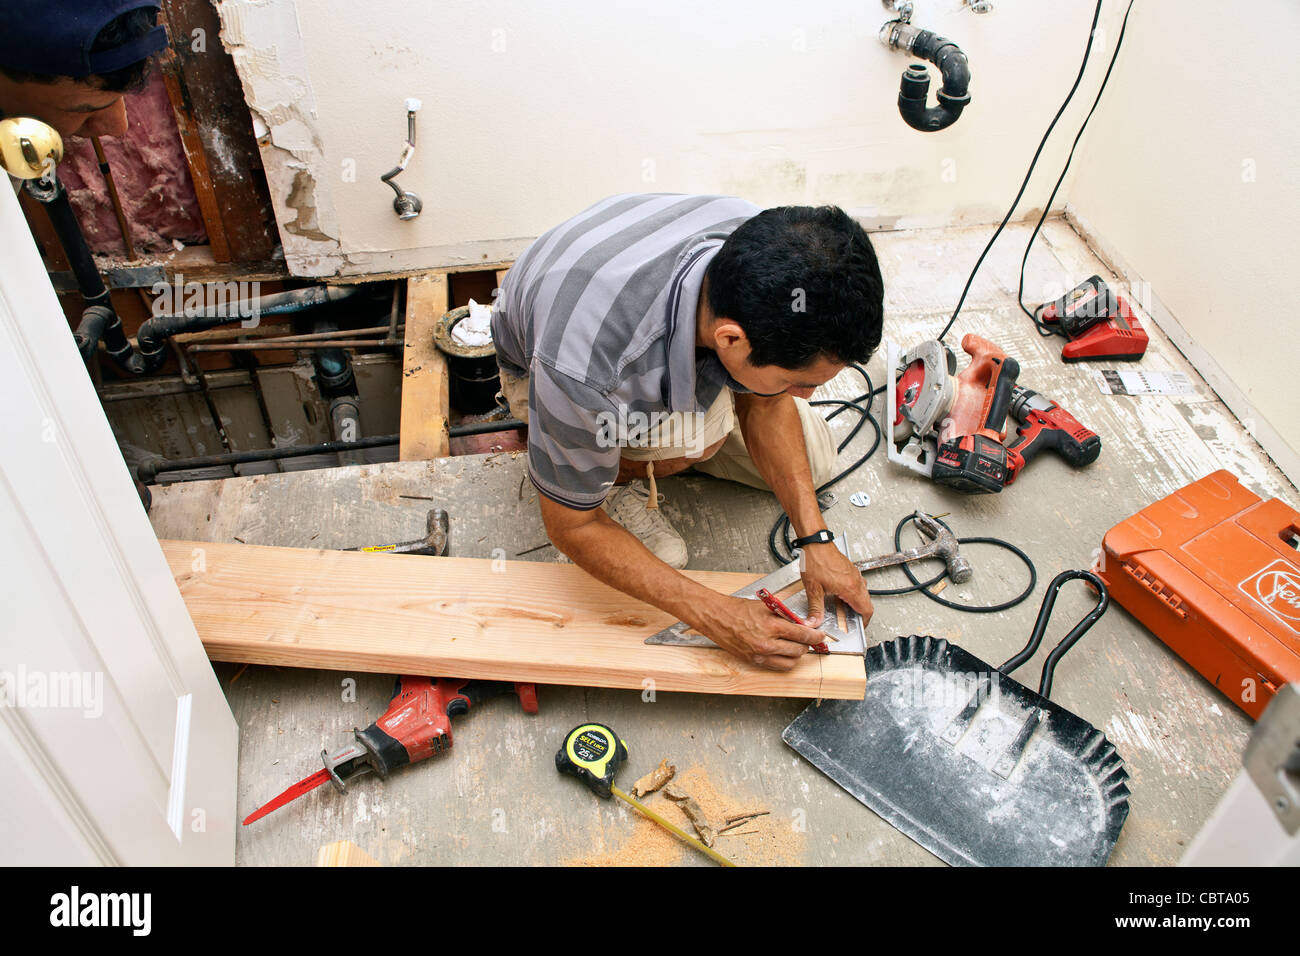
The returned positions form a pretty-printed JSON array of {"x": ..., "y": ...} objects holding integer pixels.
[{"x": 54, "y": 38}]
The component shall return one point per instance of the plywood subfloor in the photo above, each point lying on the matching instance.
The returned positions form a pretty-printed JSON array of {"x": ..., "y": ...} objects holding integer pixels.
[{"x": 496, "y": 798}]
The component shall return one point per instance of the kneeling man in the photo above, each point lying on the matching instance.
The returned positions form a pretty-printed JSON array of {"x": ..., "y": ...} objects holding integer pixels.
[{"x": 654, "y": 333}]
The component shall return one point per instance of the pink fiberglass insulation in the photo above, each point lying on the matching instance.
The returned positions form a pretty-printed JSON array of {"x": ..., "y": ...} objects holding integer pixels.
[{"x": 152, "y": 178}]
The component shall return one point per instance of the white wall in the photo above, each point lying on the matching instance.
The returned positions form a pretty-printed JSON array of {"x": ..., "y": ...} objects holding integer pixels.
[
  {"x": 1188, "y": 179},
  {"x": 535, "y": 110}
]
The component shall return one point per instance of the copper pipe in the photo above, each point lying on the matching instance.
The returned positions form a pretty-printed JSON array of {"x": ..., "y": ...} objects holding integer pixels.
[
  {"x": 113, "y": 197},
  {"x": 301, "y": 337},
  {"x": 394, "y": 318},
  {"x": 272, "y": 345}
]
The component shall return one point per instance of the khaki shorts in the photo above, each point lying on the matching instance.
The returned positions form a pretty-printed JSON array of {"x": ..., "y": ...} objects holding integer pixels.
[{"x": 688, "y": 436}]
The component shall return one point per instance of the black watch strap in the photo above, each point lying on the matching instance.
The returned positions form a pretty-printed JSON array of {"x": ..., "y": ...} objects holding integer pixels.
[{"x": 821, "y": 537}]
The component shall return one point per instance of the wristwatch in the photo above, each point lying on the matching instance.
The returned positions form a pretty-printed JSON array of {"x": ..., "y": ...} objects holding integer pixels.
[{"x": 820, "y": 537}]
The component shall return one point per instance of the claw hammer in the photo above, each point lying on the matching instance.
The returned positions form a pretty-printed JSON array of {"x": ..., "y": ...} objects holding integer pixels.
[
  {"x": 943, "y": 544},
  {"x": 435, "y": 540}
]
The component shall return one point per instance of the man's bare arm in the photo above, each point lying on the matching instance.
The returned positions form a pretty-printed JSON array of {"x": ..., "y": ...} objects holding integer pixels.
[
  {"x": 775, "y": 441},
  {"x": 609, "y": 553}
]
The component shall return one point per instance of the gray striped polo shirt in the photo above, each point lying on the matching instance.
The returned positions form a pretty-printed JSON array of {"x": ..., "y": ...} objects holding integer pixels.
[{"x": 600, "y": 314}]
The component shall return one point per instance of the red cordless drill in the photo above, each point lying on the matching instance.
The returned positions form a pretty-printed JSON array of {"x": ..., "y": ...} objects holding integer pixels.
[
  {"x": 416, "y": 725},
  {"x": 1045, "y": 424}
]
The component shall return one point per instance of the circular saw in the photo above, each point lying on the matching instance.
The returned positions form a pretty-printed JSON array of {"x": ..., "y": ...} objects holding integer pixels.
[{"x": 948, "y": 425}]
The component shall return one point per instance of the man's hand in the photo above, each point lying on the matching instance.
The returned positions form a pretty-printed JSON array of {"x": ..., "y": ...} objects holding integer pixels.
[
  {"x": 609, "y": 553},
  {"x": 750, "y": 631},
  {"x": 825, "y": 570}
]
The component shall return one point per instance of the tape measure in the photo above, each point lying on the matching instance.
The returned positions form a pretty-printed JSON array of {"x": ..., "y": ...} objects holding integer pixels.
[{"x": 592, "y": 753}]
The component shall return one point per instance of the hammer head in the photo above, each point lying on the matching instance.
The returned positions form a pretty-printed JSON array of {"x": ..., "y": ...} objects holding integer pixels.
[
  {"x": 438, "y": 535},
  {"x": 946, "y": 546}
]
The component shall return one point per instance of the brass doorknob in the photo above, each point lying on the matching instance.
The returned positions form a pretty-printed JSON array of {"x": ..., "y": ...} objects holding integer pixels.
[{"x": 28, "y": 148}]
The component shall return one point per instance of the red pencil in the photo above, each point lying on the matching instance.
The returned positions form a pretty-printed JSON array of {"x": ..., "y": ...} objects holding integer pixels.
[{"x": 775, "y": 605}]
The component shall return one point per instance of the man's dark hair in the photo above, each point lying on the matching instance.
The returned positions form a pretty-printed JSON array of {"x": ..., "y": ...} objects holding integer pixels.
[
  {"x": 803, "y": 282},
  {"x": 130, "y": 78}
]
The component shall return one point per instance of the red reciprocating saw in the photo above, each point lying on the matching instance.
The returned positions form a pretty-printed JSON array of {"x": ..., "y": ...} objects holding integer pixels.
[
  {"x": 416, "y": 725},
  {"x": 1045, "y": 424}
]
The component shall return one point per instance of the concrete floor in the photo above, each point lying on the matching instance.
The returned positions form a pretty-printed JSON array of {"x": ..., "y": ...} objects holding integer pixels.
[{"x": 496, "y": 798}]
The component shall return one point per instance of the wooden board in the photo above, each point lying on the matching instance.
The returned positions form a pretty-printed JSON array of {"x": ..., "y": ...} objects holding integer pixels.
[
  {"x": 425, "y": 396},
  {"x": 216, "y": 131},
  {"x": 344, "y": 853},
  {"x": 463, "y": 617}
]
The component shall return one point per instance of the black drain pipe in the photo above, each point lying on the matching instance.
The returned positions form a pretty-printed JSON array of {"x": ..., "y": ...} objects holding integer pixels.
[
  {"x": 915, "y": 85},
  {"x": 153, "y": 335},
  {"x": 148, "y": 471},
  {"x": 99, "y": 320}
]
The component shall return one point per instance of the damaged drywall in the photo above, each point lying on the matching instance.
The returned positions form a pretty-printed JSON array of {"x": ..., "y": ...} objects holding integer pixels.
[
  {"x": 302, "y": 200},
  {"x": 265, "y": 42},
  {"x": 531, "y": 113}
]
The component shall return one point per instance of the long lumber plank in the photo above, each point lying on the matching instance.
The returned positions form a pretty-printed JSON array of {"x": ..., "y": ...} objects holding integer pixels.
[{"x": 462, "y": 617}]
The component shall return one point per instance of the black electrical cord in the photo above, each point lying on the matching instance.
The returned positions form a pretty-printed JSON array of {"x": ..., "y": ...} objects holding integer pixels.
[
  {"x": 780, "y": 533},
  {"x": 1029, "y": 173},
  {"x": 779, "y": 536},
  {"x": 1020, "y": 291},
  {"x": 972, "y": 608}
]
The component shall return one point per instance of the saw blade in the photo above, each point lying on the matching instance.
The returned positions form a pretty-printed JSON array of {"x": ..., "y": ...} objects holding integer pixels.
[
  {"x": 851, "y": 639},
  {"x": 922, "y": 383},
  {"x": 305, "y": 785}
]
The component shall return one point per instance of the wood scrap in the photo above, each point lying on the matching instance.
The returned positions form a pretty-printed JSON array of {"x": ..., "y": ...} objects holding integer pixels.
[
  {"x": 705, "y": 830},
  {"x": 744, "y": 818},
  {"x": 344, "y": 853},
  {"x": 655, "y": 779}
]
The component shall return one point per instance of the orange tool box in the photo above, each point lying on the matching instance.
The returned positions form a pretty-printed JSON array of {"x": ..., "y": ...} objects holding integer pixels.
[{"x": 1214, "y": 572}]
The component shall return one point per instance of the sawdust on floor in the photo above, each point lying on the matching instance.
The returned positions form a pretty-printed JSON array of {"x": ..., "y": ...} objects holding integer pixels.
[{"x": 770, "y": 840}]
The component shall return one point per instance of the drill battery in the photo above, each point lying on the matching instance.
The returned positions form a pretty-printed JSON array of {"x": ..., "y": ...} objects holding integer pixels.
[{"x": 1214, "y": 572}]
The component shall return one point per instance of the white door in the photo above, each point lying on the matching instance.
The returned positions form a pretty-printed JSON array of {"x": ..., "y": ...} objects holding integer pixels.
[{"x": 117, "y": 744}]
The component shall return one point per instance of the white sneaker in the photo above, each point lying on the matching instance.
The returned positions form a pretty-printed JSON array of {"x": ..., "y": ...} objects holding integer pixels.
[{"x": 628, "y": 505}]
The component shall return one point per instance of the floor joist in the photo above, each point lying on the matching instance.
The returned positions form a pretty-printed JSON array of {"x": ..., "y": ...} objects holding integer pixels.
[{"x": 425, "y": 401}]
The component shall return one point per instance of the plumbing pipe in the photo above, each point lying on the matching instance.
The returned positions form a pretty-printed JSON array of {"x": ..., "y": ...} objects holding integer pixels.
[
  {"x": 99, "y": 319},
  {"x": 148, "y": 471},
  {"x": 915, "y": 84},
  {"x": 485, "y": 428},
  {"x": 232, "y": 335},
  {"x": 113, "y": 197},
  {"x": 157, "y": 330},
  {"x": 345, "y": 425},
  {"x": 407, "y": 205},
  {"x": 94, "y": 320},
  {"x": 291, "y": 345}
]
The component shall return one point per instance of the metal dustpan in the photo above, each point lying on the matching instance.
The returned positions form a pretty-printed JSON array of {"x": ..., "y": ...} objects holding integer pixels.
[{"x": 975, "y": 767}]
